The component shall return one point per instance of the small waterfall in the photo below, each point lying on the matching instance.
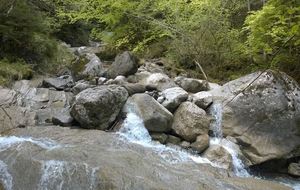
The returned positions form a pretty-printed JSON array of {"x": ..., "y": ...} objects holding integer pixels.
[
  {"x": 216, "y": 126},
  {"x": 217, "y": 112},
  {"x": 134, "y": 131},
  {"x": 5, "y": 177}
]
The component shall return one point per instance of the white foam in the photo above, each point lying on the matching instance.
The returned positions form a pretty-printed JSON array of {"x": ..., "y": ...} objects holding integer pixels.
[
  {"x": 217, "y": 112},
  {"x": 5, "y": 176},
  {"x": 61, "y": 175},
  {"x": 134, "y": 131},
  {"x": 232, "y": 149},
  {"x": 7, "y": 142}
]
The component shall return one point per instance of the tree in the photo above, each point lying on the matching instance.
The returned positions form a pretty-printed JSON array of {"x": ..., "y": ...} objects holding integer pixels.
[{"x": 274, "y": 35}]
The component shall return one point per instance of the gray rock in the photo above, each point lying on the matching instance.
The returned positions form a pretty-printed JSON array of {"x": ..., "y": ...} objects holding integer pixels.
[
  {"x": 80, "y": 86},
  {"x": 94, "y": 67},
  {"x": 160, "y": 81},
  {"x": 156, "y": 117},
  {"x": 125, "y": 64},
  {"x": 160, "y": 99},
  {"x": 201, "y": 143},
  {"x": 265, "y": 117},
  {"x": 134, "y": 88},
  {"x": 219, "y": 155},
  {"x": 7, "y": 96},
  {"x": 185, "y": 144},
  {"x": 192, "y": 85},
  {"x": 59, "y": 83},
  {"x": 190, "y": 121},
  {"x": 63, "y": 118},
  {"x": 173, "y": 97},
  {"x": 15, "y": 116},
  {"x": 294, "y": 169},
  {"x": 97, "y": 108},
  {"x": 119, "y": 80},
  {"x": 160, "y": 137},
  {"x": 173, "y": 140},
  {"x": 202, "y": 99}
]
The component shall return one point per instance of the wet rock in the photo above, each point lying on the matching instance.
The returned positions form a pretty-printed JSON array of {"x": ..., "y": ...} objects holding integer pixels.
[
  {"x": 192, "y": 85},
  {"x": 265, "y": 117},
  {"x": 173, "y": 140},
  {"x": 173, "y": 97},
  {"x": 156, "y": 117},
  {"x": 190, "y": 121},
  {"x": 97, "y": 108},
  {"x": 202, "y": 99},
  {"x": 59, "y": 83},
  {"x": 201, "y": 143},
  {"x": 125, "y": 64},
  {"x": 294, "y": 169},
  {"x": 219, "y": 155},
  {"x": 160, "y": 137},
  {"x": 91, "y": 159},
  {"x": 185, "y": 144}
]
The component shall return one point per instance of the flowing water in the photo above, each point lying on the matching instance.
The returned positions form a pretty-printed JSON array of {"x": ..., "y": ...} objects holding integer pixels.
[
  {"x": 238, "y": 167},
  {"x": 61, "y": 175},
  {"x": 5, "y": 176},
  {"x": 134, "y": 131}
]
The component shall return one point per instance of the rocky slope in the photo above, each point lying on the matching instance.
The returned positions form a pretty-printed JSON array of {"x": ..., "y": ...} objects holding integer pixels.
[{"x": 261, "y": 124}]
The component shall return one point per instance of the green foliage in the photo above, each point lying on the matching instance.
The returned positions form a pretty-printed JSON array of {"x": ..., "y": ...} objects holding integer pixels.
[
  {"x": 24, "y": 32},
  {"x": 10, "y": 72},
  {"x": 274, "y": 35}
]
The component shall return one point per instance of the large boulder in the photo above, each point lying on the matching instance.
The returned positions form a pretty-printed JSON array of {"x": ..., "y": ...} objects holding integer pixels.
[
  {"x": 98, "y": 108},
  {"x": 192, "y": 85},
  {"x": 59, "y": 83},
  {"x": 173, "y": 97},
  {"x": 125, "y": 64},
  {"x": 190, "y": 121},
  {"x": 264, "y": 115},
  {"x": 156, "y": 118}
]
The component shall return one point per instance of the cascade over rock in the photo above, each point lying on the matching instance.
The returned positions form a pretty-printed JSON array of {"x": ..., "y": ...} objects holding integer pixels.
[
  {"x": 98, "y": 107},
  {"x": 93, "y": 159},
  {"x": 156, "y": 118},
  {"x": 264, "y": 118}
]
